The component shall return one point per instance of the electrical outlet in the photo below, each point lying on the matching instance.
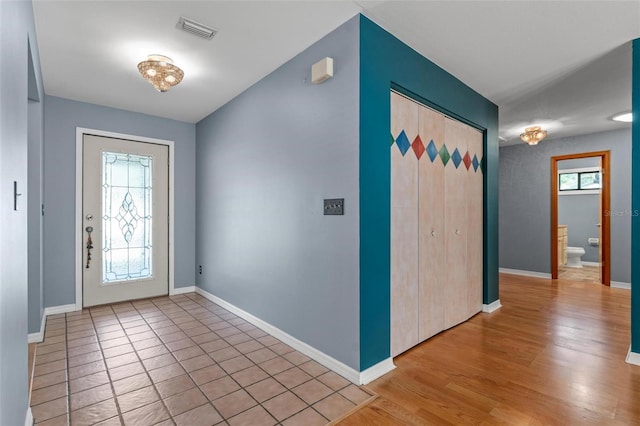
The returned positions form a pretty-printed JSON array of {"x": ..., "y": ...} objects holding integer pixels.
[
  {"x": 334, "y": 206},
  {"x": 200, "y": 269}
]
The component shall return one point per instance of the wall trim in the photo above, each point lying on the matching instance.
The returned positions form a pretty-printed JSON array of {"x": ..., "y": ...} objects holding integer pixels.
[
  {"x": 491, "y": 307},
  {"x": 590, "y": 263},
  {"x": 619, "y": 284},
  {"x": 80, "y": 131},
  {"x": 38, "y": 337},
  {"x": 28, "y": 420},
  {"x": 183, "y": 290},
  {"x": 377, "y": 370},
  {"x": 333, "y": 364},
  {"x": 525, "y": 273},
  {"x": 633, "y": 357}
]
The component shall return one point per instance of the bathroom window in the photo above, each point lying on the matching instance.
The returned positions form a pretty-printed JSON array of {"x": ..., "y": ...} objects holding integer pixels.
[{"x": 579, "y": 181}]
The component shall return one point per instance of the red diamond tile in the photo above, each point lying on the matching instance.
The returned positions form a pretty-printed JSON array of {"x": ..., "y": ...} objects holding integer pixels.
[
  {"x": 467, "y": 160},
  {"x": 418, "y": 147}
]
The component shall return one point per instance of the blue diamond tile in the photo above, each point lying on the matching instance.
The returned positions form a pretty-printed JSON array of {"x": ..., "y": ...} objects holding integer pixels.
[
  {"x": 475, "y": 163},
  {"x": 456, "y": 157},
  {"x": 432, "y": 151},
  {"x": 403, "y": 143}
]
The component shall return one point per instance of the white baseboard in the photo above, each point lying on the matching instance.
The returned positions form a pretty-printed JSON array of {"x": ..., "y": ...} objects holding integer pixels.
[
  {"x": 38, "y": 337},
  {"x": 183, "y": 290},
  {"x": 333, "y": 364},
  {"x": 525, "y": 273},
  {"x": 491, "y": 307},
  {"x": 633, "y": 357},
  {"x": 375, "y": 371},
  {"x": 28, "y": 420},
  {"x": 618, "y": 284},
  {"x": 590, "y": 263}
]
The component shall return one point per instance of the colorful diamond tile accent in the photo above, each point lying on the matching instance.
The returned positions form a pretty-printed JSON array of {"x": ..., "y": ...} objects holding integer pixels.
[
  {"x": 467, "y": 160},
  {"x": 432, "y": 151},
  {"x": 418, "y": 147},
  {"x": 475, "y": 163},
  {"x": 403, "y": 143},
  {"x": 456, "y": 157},
  {"x": 444, "y": 155}
]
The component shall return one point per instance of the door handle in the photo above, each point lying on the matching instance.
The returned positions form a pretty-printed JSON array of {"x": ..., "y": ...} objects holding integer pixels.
[
  {"x": 433, "y": 232},
  {"x": 89, "y": 230},
  {"x": 457, "y": 232}
]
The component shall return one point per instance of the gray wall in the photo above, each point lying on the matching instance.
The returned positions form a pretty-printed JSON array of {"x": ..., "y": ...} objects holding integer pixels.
[
  {"x": 580, "y": 212},
  {"x": 265, "y": 162},
  {"x": 525, "y": 200},
  {"x": 62, "y": 116},
  {"x": 16, "y": 120}
]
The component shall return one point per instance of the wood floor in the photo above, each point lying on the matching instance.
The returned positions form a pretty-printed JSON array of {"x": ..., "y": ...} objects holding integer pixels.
[
  {"x": 586, "y": 273},
  {"x": 552, "y": 355}
]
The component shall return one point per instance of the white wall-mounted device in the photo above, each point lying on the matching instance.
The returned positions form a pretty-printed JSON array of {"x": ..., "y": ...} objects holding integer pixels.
[{"x": 322, "y": 70}]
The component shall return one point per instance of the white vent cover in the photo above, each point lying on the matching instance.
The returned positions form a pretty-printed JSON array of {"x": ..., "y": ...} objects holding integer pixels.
[{"x": 196, "y": 28}]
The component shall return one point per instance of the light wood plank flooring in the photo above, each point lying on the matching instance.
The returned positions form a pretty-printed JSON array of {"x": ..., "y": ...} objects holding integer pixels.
[
  {"x": 552, "y": 355},
  {"x": 586, "y": 273}
]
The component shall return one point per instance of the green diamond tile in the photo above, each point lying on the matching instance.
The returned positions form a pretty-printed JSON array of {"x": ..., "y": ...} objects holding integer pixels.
[{"x": 444, "y": 154}]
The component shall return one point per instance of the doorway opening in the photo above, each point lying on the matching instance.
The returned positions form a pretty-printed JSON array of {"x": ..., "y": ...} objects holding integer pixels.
[{"x": 583, "y": 181}]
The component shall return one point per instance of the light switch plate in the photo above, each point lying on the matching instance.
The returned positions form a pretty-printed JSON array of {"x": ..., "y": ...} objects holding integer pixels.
[{"x": 334, "y": 206}]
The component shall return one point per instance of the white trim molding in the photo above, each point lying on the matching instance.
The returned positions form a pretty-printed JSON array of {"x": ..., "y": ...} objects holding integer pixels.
[
  {"x": 80, "y": 131},
  {"x": 491, "y": 307},
  {"x": 375, "y": 371},
  {"x": 183, "y": 290},
  {"x": 525, "y": 273},
  {"x": 28, "y": 420},
  {"x": 590, "y": 263},
  {"x": 633, "y": 357},
  {"x": 333, "y": 364},
  {"x": 38, "y": 337},
  {"x": 618, "y": 284}
]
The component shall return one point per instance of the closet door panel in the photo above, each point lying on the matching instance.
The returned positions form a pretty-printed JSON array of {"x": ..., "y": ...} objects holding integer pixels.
[
  {"x": 475, "y": 190},
  {"x": 456, "y": 217},
  {"x": 431, "y": 226},
  {"x": 404, "y": 225}
]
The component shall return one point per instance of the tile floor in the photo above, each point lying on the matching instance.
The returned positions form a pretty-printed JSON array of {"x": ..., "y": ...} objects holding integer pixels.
[
  {"x": 586, "y": 273},
  {"x": 178, "y": 360}
]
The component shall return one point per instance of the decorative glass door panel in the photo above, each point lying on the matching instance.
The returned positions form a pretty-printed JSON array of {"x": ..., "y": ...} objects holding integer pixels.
[{"x": 125, "y": 220}]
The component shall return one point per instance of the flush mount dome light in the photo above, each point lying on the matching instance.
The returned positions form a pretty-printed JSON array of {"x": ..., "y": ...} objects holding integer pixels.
[
  {"x": 533, "y": 135},
  {"x": 160, "y": 71},
  {"x": 625, "y": 117}
]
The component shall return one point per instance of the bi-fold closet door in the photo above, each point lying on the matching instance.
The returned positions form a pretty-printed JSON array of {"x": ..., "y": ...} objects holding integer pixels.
[{"x": 436, "y": 223}]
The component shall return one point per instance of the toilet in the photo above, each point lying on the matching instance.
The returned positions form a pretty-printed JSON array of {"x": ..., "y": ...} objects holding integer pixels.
[{"x": 573, "y": 257}]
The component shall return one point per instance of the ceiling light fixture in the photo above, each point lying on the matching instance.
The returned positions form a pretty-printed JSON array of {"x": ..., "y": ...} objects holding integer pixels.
[
  {"x": 160, "y": 71},
  {"x": 625, "y": 117},
  {"x": 533, "y": 135}
]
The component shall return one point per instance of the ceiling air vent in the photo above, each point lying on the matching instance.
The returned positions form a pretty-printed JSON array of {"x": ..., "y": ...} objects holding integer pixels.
[{"x": 196, "y": 28}]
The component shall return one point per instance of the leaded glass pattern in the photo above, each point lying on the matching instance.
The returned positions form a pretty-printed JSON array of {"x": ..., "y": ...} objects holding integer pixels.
[{"x": 126, "y": 217}]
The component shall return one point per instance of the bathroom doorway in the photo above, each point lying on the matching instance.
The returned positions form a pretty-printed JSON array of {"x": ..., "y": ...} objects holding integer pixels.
[{"x": 580, "y": 251}]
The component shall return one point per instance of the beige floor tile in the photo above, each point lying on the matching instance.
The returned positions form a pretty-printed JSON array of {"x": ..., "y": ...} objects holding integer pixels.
[
  {"x": 152, "y": 352},
  {"x": 52, "y": 340},
  {"x": 236, "y": 364},
  {"x": 94, "y": 413},
  {"x": 120, "y": 360},
  {"x": 90, "y": 396},
  {"x": 312, "y": 391},
  {"x": 187, "y": 353},
  {"x": 334, "y": 406},
  {"x": 113, "y": 421},
  {"x": 284, "y": 405},
  {"x": 81, "y": 342},
  {"x": 62, "y": 420},
  {"x": 147, "y": 343},
  {"x": 50, "y": 367},
  {"x": 85, "y": 358},
  {"x": 49, "y": 393},
  {"x": 117, "y": 350},
  {"x": 308, "y": 417},
  {"x": 265, "y": 389},
  {"x": 197, "y": 363},
  {"x": 207, "y": 374},
  {"x": 51, "y": 356},
  {"x": 106, "y": 344},
  {"x": 333, "y": 380},
  {"x": 185, "y": 401},
  {"x": 313, "y": 368},
  {"x": 219, "y": 388},
  {"x": 249, "y": 376},
  {"x": 124, "y": 371},
  {"x": 81, "y": 350},
  {"x": 180, "y": 344},
  {"x": 228, "y": 331},
  {"x": 355, "y": 394},
  {"x": 50, "y": 379},
  {"x": 276, "y": 365},
  {"x": 205, "y": 337},
  {"x": 252, "y": 417},
  {"x": 176, "y": 385},
  {"x": 148, "y": 415},
  {"x": 268, "y": 340},
  {"x": 296, "y": 358},
  {"x": 142, "y": 336},
  {"x": 138, "y": 398},
  {"x": 49, "y": 409},
  {"x": 292, "y": 377},
  {"x": 168, "y": 338},
  {"x": 205, "y": 415},
  {"x": 238, "y": 338},
  {"x": 281, "y": 348},
  {"x": 132, "y": 383},
  {"x": 234, "y": 403},
  {"x": 136, "y": 330},
  {"x": 249, "y": 346},
  {"x": 224, "y": 354},
  {"x": 261, "y": 355},
  {"x": 158, "y": 361},
  {"x": 166, "y": 373},
  {"x": 196, "y": 331},
  {"x": 86, "y": 369},
  {"x": 214, "y": 345},
  {"x": 51, "y": 348}
]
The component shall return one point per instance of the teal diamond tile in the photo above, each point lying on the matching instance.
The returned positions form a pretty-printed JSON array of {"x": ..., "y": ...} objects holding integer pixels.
[{"x": 444, "y": 154}]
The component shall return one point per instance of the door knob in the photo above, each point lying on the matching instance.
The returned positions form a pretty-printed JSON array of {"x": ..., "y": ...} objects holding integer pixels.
[
  {"x": 457, "y": 232},
  {"x": 433, "y": 232}
]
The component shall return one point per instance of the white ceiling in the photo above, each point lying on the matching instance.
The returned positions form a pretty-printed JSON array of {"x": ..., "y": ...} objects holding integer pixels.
[{"x": 563, "y": 64}]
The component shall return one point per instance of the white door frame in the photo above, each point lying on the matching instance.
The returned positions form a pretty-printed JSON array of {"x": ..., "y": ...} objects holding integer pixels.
[{"x": 80, "y": 132}]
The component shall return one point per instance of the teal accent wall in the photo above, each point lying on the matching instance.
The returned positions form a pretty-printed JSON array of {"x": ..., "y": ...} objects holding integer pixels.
[
  {"x": 635, "y": 198},
  {"x": 386, "y": 63}
]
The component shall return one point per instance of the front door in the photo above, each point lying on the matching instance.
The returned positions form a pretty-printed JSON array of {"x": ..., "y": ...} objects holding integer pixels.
[{"x": 125, "y": 209}]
